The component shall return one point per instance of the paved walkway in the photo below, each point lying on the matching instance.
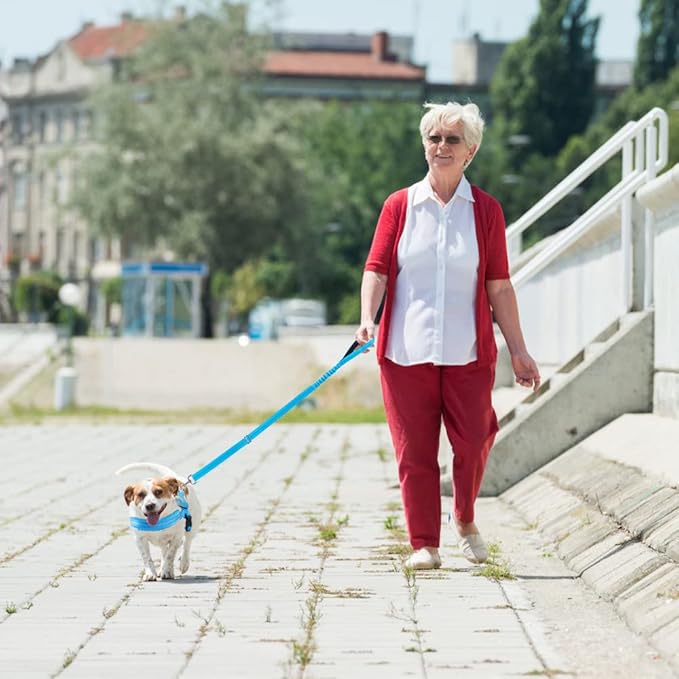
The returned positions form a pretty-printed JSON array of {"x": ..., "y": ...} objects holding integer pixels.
[{"x": 297, "y": 571}]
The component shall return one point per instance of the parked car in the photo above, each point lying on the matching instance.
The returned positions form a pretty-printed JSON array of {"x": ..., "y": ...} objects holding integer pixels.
[{"x": 298, "y": 312}]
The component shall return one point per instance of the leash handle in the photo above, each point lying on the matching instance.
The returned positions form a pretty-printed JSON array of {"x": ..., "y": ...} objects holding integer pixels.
[
  {"x": 248, "y": 438},
  {"x": 378, "y": 316}
]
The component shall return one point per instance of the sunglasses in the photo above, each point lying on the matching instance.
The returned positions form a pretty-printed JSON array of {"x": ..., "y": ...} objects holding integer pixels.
[{"x": 437, "y": 139}]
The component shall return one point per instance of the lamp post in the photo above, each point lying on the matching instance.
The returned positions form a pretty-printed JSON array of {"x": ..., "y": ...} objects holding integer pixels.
[{"x": 64, "y": 385}]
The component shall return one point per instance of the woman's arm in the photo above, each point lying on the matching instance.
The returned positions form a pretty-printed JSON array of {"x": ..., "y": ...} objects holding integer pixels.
[
  {"x": 503, "y": 301},
  {"x": 373, "y": 286}
]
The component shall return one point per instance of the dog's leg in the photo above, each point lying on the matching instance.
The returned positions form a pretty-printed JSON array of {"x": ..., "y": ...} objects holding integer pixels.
[
  {"x": 150, "y": 573},
  {"x": 185, "y": 560},
  {"x": 169, "y": 554}
]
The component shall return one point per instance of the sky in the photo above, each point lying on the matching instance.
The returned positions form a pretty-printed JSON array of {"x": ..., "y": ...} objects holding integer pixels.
[{"x": 29, "y": 28}]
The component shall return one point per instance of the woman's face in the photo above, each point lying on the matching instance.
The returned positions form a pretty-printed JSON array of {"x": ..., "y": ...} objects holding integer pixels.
[{"x": 445, "y": 149}]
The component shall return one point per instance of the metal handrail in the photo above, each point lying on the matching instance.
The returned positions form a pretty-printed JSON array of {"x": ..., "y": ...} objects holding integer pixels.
[
  {"x": 644, "y": 149},
  {"x": 630, "y": 132},
  {"x": 578, "y": 228}
]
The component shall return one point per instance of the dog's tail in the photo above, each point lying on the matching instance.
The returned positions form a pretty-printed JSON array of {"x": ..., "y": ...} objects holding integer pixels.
[{"x": 159, "y": 469}]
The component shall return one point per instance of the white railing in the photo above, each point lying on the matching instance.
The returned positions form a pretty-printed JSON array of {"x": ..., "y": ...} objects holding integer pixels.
[{"x": 644, "y": 148}]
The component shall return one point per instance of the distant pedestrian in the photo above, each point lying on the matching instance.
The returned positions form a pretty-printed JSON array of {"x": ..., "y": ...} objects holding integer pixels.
[{"x": 439, "y": 253}]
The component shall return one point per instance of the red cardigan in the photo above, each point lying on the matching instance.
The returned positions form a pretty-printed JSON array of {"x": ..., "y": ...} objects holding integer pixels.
[{"x": 493, "y": 263}]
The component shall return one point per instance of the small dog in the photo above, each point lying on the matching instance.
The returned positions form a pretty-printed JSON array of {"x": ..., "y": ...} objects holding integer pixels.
[{"x": 153, "y": 502}]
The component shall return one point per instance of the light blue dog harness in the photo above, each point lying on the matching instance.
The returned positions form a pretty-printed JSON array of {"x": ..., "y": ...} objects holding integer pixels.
[{"x": 169, "y": 520}]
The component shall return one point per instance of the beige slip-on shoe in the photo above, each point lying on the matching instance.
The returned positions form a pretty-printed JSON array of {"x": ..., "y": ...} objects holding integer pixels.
[
  {"x": 424, "y": 559},
  {"x": 473, "y": 547}
]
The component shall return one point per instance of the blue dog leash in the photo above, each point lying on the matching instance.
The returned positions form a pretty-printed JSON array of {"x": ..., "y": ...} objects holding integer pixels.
[
  {"x": 351, "y": 354},
  {"x": 169, "y": 520},
  {"x": 183, "y": 512}
]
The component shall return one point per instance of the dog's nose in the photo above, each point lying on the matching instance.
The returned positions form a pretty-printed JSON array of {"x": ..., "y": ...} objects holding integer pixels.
[{"x": 150, "y": 506}]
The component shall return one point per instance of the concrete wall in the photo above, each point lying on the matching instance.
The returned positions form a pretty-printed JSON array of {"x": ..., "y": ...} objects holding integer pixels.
[
  {"x": 662, "y": 197},
  {"x": 169, "y": 374},
  {"x": 576, "y": 297}
]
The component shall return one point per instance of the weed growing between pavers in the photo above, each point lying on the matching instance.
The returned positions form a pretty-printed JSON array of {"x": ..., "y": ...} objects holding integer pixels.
[
  {"x": 495, "y": 567},
  {"x": 236, "y": 569},
  {"x": 302, "y": 649},
  {"x": 400, "y": 549},
  {"x": 66, "y": 570}
]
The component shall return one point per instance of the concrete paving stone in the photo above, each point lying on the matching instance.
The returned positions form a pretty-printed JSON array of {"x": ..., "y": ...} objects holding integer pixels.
[
  {"x": 593, "y": 552},
  {"x": 254, "y": 572},
  {"x": 646, "y": 516},
  {"x": 619, "y": 571},
  {"x": 589, "y": 536},
  {"x": 637, "y": 490},
  {"x": 607, "y": 481},
  {"x": 665, "y": 640},
  {"x": 653, "y": 602}
]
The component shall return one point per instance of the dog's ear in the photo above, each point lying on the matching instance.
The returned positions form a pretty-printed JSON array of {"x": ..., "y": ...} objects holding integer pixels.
[
  {"x": 129, "y": 494},
  {"x": 172, "y": 484}
]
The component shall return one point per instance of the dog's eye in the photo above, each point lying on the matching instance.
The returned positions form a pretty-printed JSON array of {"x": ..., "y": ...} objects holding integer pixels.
[
  {"x": 157, "y": 492},
  {"x": 141, "y": 494}
]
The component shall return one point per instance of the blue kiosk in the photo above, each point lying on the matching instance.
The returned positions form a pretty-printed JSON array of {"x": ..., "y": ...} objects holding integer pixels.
[{"x": 162, "y": 299}]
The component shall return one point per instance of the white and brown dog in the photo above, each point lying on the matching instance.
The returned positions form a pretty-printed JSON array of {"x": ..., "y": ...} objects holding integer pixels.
[{"x": 163, "y": 512}]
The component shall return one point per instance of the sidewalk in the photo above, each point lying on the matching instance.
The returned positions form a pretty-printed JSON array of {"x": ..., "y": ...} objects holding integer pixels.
[{"x": 296, "y": 571}]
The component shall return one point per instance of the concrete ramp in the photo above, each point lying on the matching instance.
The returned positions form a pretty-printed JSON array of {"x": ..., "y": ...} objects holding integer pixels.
[{"x": 613, "y": 375}]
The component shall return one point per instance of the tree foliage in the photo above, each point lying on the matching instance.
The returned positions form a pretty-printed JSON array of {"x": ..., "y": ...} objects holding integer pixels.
[
  {"x": 544, "y": 85},
  {"x": 188, "y": 154},
  {"x": 658, "y": 45}
]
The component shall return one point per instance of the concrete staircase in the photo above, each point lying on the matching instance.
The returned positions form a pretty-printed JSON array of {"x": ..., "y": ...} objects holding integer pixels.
[{"x": 611, "y": 376}]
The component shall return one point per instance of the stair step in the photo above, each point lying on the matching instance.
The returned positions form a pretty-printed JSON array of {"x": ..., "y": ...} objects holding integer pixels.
[
  {"x": 593, "y": 350},
  {"x": 558, "y": 379}
]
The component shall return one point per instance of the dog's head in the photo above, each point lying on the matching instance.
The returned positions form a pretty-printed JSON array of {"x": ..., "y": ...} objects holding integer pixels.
[{"x": 152, "y": 497}]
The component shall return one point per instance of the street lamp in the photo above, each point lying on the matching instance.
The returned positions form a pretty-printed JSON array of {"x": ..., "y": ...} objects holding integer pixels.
[
  {"x": 69, "y": 296},
  {"x": 64, "y": 385}
]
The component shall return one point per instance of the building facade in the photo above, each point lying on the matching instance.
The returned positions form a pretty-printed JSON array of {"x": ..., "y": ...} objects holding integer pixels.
[{"x": 47, "y": 123}]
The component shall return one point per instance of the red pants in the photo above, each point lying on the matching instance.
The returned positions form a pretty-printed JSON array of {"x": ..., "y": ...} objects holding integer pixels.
[{"x": 415, "y": 399}]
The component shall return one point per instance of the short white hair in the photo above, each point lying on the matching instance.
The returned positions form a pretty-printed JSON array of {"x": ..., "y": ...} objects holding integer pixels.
[{"x": 445, "y": 116}]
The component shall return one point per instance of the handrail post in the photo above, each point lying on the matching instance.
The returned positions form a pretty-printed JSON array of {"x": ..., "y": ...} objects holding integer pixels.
[
  {"x": 626, "y": 231},
  {"x": 649, "y": 218}
]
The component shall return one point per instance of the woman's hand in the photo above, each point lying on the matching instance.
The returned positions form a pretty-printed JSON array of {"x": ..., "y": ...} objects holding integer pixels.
[
  {"x": 365, "y": 332},
  {"x": 526, "y": 370}
]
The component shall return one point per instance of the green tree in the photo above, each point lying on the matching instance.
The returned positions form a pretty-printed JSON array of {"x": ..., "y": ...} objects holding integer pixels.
[
  {"x": 365, "y": 151},
  {"x": 632, "y": 104},
  {"x": 544, "y": 85},
  {"x": 658, "y": 45},
  {"x": 186, "y": 151}
]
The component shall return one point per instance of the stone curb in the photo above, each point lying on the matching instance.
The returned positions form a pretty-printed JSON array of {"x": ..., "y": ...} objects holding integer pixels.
[{"x": 618, "y": 530}]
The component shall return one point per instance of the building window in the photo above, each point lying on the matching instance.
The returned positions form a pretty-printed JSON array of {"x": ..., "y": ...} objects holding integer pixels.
[
  {"x": 75, "y": 255},
  {"x": 62, "y": 188},
  {"x": 17, "y": 129},
  {"x": 59, "y": 249},
  {"x": 42, "y": 189},
  {"x": 20, "y": 190},
  {"x": 76, "y": 124},
  {"x": 86, "y": 121},
  {"x": 59, "y": 119},
  {"x": 42, "y": 126}
]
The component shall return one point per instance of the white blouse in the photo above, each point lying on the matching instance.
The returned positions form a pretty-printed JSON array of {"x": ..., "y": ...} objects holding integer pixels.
[{"x": 433, "y": 312}]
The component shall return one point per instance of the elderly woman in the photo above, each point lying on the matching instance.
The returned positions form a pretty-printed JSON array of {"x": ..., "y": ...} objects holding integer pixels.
[{"x": 439, "y": 254}]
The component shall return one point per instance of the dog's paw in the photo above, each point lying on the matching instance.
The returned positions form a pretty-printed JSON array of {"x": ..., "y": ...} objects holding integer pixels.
[
  {"x": 167, "y": 575},
  {"x": 184, "y": 564},
  {"x": 150, "y": 576}
]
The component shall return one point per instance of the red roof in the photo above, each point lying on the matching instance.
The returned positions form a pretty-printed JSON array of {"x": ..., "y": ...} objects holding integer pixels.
[
  {"x": 339, "y": 65},
  {"x": 99, "y": 42}
]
